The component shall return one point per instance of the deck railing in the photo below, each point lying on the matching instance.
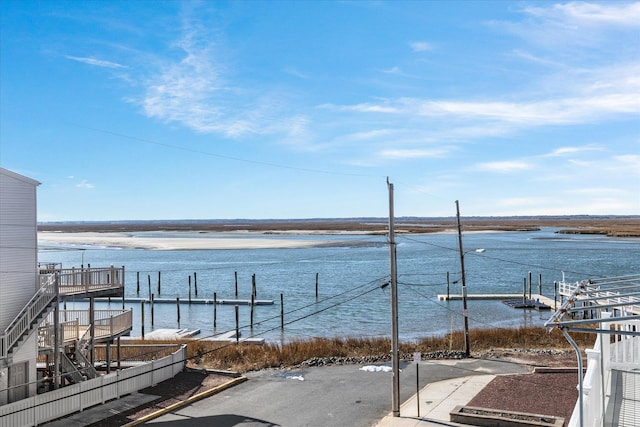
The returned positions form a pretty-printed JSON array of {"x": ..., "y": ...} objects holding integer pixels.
[
  {"x": 75, "y": 281},
  {"x": 69, "y": 333},
  {"x": 107, "y": 324},
  {"x": 29, "y": 315}
]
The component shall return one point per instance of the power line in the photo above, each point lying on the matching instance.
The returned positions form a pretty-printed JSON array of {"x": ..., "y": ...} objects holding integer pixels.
[{"x": 221, "y": 156}]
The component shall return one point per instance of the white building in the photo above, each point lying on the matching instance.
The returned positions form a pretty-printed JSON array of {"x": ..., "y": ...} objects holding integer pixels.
[
  {"x": 610, "y": 387},
  {"x": 19, "y": 282}
]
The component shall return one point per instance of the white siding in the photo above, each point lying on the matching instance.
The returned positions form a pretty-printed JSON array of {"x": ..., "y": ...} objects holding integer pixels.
[
  {"x": 28, "y": 351},
  {"x": 18, "y": 244}
]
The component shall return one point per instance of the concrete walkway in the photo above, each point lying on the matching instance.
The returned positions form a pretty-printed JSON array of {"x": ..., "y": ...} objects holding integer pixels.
[{"x": 437, "y": 400}]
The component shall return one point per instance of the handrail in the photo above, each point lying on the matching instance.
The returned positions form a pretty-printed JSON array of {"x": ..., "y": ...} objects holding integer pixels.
[
  {"x": 86, "y": 280},
  {"x": 82, "y": 346},
  {"x": 29, "y": 313},
  {"x": 69, "y": 331}
]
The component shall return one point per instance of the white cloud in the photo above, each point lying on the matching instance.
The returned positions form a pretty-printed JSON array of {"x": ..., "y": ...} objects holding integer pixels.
[
  {"x": 420, "y": 46},
  {"x": 295, "y": 72},
  {"x": 509, "y": 166},
  {"x": 96, "y": 62},
  {"x": 197, "y": 91},
  {"x": 564, "y": 151},
  {"x": 613, "y": 13},
  {"x": 392, "y": 70},
  {"x": 411, "y": 153},
  {"x": 85, "y": 184}
]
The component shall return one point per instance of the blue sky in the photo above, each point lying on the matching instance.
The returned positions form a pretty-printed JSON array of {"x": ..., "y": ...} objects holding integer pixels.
[{"x": 268, "y": 109}]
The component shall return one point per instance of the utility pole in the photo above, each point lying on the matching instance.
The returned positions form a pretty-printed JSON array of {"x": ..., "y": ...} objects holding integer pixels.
[
  {"x": 395, "y": 353},
  {"x": 465, "y": 314}
]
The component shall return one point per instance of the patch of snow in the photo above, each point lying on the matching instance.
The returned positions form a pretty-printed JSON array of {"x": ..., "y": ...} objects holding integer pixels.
[{"x": 373, "y": 368}]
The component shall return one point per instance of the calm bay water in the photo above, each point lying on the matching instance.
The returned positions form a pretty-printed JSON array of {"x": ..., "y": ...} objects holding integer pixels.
[{"x": 351, "y": 299}]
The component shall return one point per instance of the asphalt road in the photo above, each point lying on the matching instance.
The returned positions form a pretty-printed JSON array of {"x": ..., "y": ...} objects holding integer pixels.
[{"x": 334, "y": 396}]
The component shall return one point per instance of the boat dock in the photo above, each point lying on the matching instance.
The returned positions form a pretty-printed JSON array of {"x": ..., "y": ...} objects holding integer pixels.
[
  {"x": 193, "y": 301},
  {"x": 537, "y": 301}
]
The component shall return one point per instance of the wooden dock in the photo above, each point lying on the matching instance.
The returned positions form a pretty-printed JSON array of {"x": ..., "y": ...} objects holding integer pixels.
[{"x": 535, "y": 299}]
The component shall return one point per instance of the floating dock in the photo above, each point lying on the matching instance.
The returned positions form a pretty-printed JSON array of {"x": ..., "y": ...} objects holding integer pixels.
[
  {"x": 193, "y": 301},
  {"x": 165, "y": 334},
  {"x": 230, "y": 337},
  {"x": 538, "y": 302}
]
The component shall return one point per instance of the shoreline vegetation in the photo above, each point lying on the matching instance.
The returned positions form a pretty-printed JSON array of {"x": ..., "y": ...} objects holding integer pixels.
[
  {"x": 614, "y": 226},
  {"x": 524, "y": 344}
]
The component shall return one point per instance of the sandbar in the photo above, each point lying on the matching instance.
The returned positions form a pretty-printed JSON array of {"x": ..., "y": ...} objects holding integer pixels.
[{"x": 154, "y": 241}]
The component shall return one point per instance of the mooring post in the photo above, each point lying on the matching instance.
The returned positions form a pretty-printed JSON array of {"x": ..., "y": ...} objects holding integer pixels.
[
  {"x": 237, "y": 325},
  {"x": 236, "y": 274},
  {"x": 524, "y": 290},
  {"x": 138, "y": 283},
  {"x": 142, "y": 317},
  {"x": 149, "y": 280},
  {"x": 253, "y": 301},
  {"x": 281, "y": 312},
  {"x": 447, "y": 286},
  {"x": 178, "y": 308},
  {"x": 159, "y": 293},
  {"x": 555, "y": 295},
  {"x": 189, "y": 289},
  {"x": 215, "y": 309},
  {"x": 195, "y": 283},
  {"x": 152, "y": 315},
  {"x": 529, "y": 285},
  {"x": 316, "y": 285},
  {"x": 253, "y": 284},
  {"x": 540, "y": 284}
]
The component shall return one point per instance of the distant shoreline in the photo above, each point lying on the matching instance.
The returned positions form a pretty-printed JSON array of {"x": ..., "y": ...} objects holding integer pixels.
[{"x": 613, "y": 226}]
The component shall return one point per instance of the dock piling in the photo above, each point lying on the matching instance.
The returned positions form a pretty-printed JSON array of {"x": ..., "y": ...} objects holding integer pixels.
[
  {"x": 178, "y": 308},
  {"x": 237, "y": 325},
  {"x": 281, "y": 312}
]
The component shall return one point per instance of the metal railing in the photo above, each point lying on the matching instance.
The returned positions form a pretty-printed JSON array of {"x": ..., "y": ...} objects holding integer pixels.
[
  {"x": 29, "y": 315},
  {"x": 618, "y": 351}
]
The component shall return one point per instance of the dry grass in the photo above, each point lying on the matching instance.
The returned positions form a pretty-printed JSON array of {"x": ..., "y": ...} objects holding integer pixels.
[{"x": 244, "y": 357}]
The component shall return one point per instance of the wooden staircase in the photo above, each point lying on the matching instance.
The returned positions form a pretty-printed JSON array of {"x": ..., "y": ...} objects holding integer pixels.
[{"x": 27, "y": 321}]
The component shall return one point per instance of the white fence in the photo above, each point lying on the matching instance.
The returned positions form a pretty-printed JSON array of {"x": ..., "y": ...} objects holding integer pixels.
[
  {"x": 615, "y": 351},
  {"x": 59, "y": 403}
]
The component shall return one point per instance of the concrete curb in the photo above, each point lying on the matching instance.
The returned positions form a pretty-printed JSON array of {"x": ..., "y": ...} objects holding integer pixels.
[{"x": 189, "y": 401}]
